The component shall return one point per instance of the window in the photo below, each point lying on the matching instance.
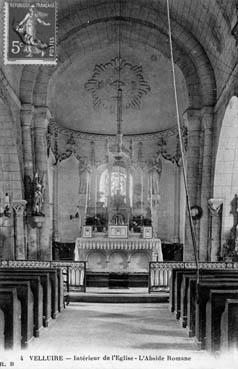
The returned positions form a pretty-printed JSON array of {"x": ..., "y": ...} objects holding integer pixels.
[{"x": 118, "y": 183}]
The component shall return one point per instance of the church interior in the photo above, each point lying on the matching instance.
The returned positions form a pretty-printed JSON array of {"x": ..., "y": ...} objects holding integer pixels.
[{"x": 119, "y": 176}]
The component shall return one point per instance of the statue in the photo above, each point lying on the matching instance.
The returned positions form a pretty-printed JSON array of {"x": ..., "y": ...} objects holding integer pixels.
[
  {"x": 84, "y": 175},
  {"x": 118, "y": 199},
  {"x": 154, "y": 175},
  {"x": 38, "y": 198}
]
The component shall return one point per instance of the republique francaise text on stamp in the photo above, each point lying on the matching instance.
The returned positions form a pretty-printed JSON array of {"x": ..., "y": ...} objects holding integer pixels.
[{"x": 30, "y": 33}]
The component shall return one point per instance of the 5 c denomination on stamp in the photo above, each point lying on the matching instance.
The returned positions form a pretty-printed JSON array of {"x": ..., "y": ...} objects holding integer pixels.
[{"x": 30, "y": 33}]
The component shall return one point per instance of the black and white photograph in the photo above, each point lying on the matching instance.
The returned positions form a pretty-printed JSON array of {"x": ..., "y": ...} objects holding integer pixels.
[{"x": 119, "y": 184}]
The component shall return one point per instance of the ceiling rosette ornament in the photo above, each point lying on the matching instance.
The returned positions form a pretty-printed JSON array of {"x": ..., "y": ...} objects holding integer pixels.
[{"x": 105, "y": 81}]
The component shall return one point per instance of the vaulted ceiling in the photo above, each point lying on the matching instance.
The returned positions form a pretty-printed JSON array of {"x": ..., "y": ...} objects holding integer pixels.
[
  {"x": 83, "y": 97},
  {"x": 204, "y": 50}
]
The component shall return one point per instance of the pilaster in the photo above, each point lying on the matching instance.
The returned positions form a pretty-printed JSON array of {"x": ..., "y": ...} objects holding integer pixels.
[
  {"x": 27, "y": 114},
  {"x": 207, "y": 126},
  {"x": 41, "y": 121},
  {"x": 215, "y": 211},
  {"x": 20, "y": 245},
  {"x": 192, "y": 119}
]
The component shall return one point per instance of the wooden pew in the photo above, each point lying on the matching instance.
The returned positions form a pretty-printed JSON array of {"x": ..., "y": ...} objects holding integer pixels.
[
  {"x": 214, "y": 309},
  {"x": 197, "y": 309},
  {"x": 2, "y": 327},
  {"x": 60, "y": 289},
  {"x": 229, "y": 325},
  {"x": 54, "y": 292},
  {"x": 26, "y": 298},
  {"x": 186, "y": 278},
  {"x": 56, "y": 285},
  {"x": 11, "y": 307},
  {"x": 37, "y": 291},
  {"x": 173, "y": 288},
  {"x": 50, "y": 279},
  {"x": 177, "y": 278},
  {"x": 177, "y": 284},
  {"x": 46, "y": 284}
]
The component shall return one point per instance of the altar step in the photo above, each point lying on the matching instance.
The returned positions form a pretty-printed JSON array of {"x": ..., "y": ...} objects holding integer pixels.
[
  {"x": 107, "y": 280},
  {"x": 118, "y": 296}
]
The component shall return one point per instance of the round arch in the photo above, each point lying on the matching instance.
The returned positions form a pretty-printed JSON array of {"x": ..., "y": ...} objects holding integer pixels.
[
  {"x": 11, "y": 178},
  {"x": 73, "y": 40},
  {"x": 10, "y": 175},
  {"x": 226, "y": 166}
]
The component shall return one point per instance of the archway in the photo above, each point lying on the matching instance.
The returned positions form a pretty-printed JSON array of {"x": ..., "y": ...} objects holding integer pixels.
[
  {"x": 226, "y": 167},
  {"x": 10, "y": 178}
]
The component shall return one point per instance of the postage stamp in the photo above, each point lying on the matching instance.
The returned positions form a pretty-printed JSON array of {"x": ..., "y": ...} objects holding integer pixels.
[{"x": 30, "y": 33}]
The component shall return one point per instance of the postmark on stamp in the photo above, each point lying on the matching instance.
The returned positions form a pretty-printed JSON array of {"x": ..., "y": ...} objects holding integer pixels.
[{"x": 30, "y": 33}]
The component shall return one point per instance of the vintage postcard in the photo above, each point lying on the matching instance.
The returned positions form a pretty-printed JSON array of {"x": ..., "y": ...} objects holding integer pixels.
[{"x": 118, "y": 184}]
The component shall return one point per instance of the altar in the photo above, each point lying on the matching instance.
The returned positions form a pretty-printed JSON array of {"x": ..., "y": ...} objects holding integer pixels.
[
  {"x": 119, "y": 233},
  {"x": 111, "y": 254}
]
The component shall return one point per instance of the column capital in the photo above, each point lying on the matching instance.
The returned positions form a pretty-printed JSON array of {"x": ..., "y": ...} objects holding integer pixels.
[
  {"x": 19, "y": 207},
  {"x": 208, "y": 110},
  {"x": 192, "y": 119},
  {"x": 28, "y": 108},
  {"x": 27, "y": 111},
  {"x": 207, "y": 117},
  {"x": 192, "y": 113},
  {"x": 215, "y": 206}
]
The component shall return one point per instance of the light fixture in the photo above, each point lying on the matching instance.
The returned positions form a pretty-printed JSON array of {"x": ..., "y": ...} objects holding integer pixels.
[{"x": 118, "y": 154}]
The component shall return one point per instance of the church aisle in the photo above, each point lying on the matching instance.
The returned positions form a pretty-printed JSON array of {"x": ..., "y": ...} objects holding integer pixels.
[{"x": 85, "y": 327}]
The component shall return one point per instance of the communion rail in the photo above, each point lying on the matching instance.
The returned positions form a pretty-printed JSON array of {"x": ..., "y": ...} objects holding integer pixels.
[
  {"x": 74, "y": 272},
  {"x": 160, "y": 272}
]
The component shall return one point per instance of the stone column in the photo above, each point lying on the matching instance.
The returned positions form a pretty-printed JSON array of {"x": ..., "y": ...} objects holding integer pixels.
[
  {"x": 207, "y": 122},
  {"x": 20, "y": 247},
  {"x": 42, "y": 116},
  {"x": 27, "y": 112},
  {"x": 55, "y": 205},
  {"x": 192, "y": 119},
  {"x": 177, "y": 203},
  {"x": 7, "y": 246},
  {"x": 215, "y": 209}
]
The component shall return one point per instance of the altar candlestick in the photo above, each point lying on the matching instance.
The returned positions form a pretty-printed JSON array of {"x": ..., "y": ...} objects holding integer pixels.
[
  {"x": 96, "y": 184},
  {"x": 119, "y": 180},
  {"x": 86, "y": 200},
  {"x": 151, "y": 200},
  {"x": 7, "y": 201},
  {"x": 142, "y": 192}
]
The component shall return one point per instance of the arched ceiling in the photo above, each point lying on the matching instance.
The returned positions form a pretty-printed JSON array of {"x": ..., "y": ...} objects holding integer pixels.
[
  {"x": 83, "y": 96},
  {"x": 88, "y": 31}
]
